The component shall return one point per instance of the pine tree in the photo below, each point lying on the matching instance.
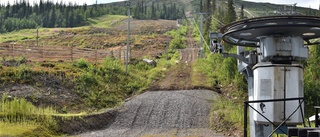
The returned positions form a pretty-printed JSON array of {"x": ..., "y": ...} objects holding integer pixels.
[
  {"x": 231, "y": 13},
  {"x": 52, "y": 19},
  {"x": 153, "y": 12}
]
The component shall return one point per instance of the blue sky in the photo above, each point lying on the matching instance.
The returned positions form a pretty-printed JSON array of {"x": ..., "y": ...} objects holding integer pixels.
[{"x": 303, "y": 3}]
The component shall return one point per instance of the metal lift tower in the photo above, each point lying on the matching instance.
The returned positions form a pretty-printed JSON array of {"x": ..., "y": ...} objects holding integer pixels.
[{"x": 272, "y": 68}]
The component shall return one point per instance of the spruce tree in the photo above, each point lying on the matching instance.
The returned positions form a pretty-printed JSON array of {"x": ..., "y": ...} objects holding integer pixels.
[{"x": 231, "y": 13}]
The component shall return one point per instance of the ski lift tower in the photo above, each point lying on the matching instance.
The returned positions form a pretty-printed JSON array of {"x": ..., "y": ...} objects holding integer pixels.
[{"x": 272, "y": 68}]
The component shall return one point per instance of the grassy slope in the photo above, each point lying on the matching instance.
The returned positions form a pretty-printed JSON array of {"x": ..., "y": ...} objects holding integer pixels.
[
  {"x": 101, "y": 85},
  {"x": 49, "y": 36},
  {"x": 265, "y": 9}
]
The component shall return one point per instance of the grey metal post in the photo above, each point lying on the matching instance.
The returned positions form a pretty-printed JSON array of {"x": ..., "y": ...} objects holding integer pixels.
[
  {"x": 128, "y": 40},
  {"x": 201, "y": 40},
  {"x": 245, "y": 110},
  {"x": 317, "y": 116}
]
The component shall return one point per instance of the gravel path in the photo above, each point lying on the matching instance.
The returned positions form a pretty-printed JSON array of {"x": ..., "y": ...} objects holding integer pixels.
[{"x": 163, "y": 113}]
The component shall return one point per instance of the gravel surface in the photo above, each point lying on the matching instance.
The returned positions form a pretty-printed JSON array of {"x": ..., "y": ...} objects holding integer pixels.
[{"x": 163, "y": 113}]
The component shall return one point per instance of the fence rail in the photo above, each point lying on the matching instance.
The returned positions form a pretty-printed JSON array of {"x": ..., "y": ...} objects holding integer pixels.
[{"x": 59, "y": 53}]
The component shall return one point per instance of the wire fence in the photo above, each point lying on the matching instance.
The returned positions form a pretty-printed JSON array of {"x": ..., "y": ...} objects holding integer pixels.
[{"x": 59, "y": 53}]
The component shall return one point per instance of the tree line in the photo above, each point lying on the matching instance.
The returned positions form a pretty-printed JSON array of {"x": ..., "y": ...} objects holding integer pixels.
[
  {"x": 152, "y": 10},
  {"x": 23, "y": 15}
]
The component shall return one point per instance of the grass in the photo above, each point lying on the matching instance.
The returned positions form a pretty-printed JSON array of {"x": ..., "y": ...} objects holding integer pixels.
[
  {"x": 104, "y": 85},
  {"x": 223, "y": 107},
  {"x": 19, "y": 117},
  {"x": 100, "y": 86},
  {"x": 20, "y": 36},
  {"x": 221, "y": 73},
  {"x": 16, "y": 129},
  {"x": 107, "y": 21}
]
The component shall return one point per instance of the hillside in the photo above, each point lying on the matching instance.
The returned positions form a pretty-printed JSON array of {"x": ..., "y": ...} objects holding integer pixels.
[
  {"x": 268, "y": 9},
  {"x": 73, "y": 79}
]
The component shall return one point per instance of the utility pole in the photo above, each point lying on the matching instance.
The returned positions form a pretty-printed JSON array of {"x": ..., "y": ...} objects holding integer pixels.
[
  {"x": 201, "y": 36},
  {"x": 128, "y": 39},
  {"x": 201, "y": 40}
]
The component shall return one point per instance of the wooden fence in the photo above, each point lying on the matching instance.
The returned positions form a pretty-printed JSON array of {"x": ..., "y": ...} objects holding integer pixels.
[{"x": 59, "y": 53}]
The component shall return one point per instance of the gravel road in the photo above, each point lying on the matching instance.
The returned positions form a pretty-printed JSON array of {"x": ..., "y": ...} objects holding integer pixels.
[{"x": 162, "y": 113}]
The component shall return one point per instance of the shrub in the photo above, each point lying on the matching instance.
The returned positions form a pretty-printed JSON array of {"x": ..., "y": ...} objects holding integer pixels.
[{"x": 82, "y": 63}]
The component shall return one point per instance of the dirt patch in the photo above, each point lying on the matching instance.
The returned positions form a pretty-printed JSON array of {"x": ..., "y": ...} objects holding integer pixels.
[
  {"x": 46, "y": 91},
  {"x": 92, "y": 122}
]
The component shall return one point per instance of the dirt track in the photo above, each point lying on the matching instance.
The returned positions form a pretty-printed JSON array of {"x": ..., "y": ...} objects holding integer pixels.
[
  {"x": 156, "y": 113},
  {"x": 163, "y": 113},
  {"x": 179, "y": 76}
]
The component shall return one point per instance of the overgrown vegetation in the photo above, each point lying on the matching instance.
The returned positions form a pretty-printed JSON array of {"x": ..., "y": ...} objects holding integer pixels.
[
  {"x": 178, "y": 38},
  {"x": 311, "y": 78},
  {"x": 221, "y": 73},
  {"x": 102, "y": 85}
]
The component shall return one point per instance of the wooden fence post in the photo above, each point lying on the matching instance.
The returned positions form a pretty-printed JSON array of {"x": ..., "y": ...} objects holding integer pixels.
[
  {"x": 71, "y": 53},
  {"x": 96, "y": 53},
  {"x": 124, "y": 56},
  {"x": 41, "y": 52},
  {"x": 12, "y": 52}
]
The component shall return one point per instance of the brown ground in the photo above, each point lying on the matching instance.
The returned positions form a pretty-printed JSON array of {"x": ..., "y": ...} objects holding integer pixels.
[{"x": 147, "y": 39}]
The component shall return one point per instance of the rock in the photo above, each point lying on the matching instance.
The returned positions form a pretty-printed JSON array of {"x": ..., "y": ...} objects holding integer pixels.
[{"x": 150, "y": 62}]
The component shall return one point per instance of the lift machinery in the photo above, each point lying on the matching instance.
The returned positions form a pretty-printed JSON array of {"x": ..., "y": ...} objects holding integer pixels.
[{"x": 271, "y": 67}]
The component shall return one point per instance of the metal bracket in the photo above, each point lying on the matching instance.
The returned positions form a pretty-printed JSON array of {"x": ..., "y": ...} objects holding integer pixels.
[
  {"x": 239, "y": 57},
  {"x": 247, "y": 103}
]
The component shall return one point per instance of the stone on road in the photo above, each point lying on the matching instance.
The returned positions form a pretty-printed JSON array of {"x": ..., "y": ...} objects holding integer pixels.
[{"x": 163, "y": 113}]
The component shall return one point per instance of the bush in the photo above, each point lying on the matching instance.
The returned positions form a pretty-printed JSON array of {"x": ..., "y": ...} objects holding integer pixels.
[
  {"x": 82, "y": 63},
  {"x": 143, "y": 66}
]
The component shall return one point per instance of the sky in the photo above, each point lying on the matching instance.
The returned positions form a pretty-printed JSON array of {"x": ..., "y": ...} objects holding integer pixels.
[{"x": 303, "y": 3}]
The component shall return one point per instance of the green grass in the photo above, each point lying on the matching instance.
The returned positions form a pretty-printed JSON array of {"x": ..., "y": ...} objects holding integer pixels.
[
  {"x": 178, "y": 38},
  {"x": 101, "y": 86},
  {"x": 222, "y": 73},
  {"x": 105, "y": 21},
  {"x": 16, "y": 129},
  {"x": 19, "y": 117},
  {"x": 223, "y": 106}
]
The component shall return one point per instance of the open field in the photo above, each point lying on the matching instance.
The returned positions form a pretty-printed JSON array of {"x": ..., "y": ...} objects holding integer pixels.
[{"x": 94, "y": 42}]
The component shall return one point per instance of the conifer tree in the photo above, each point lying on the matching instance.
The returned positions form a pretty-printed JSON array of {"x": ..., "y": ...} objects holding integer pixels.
[{"x": 231, "y": 13}]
